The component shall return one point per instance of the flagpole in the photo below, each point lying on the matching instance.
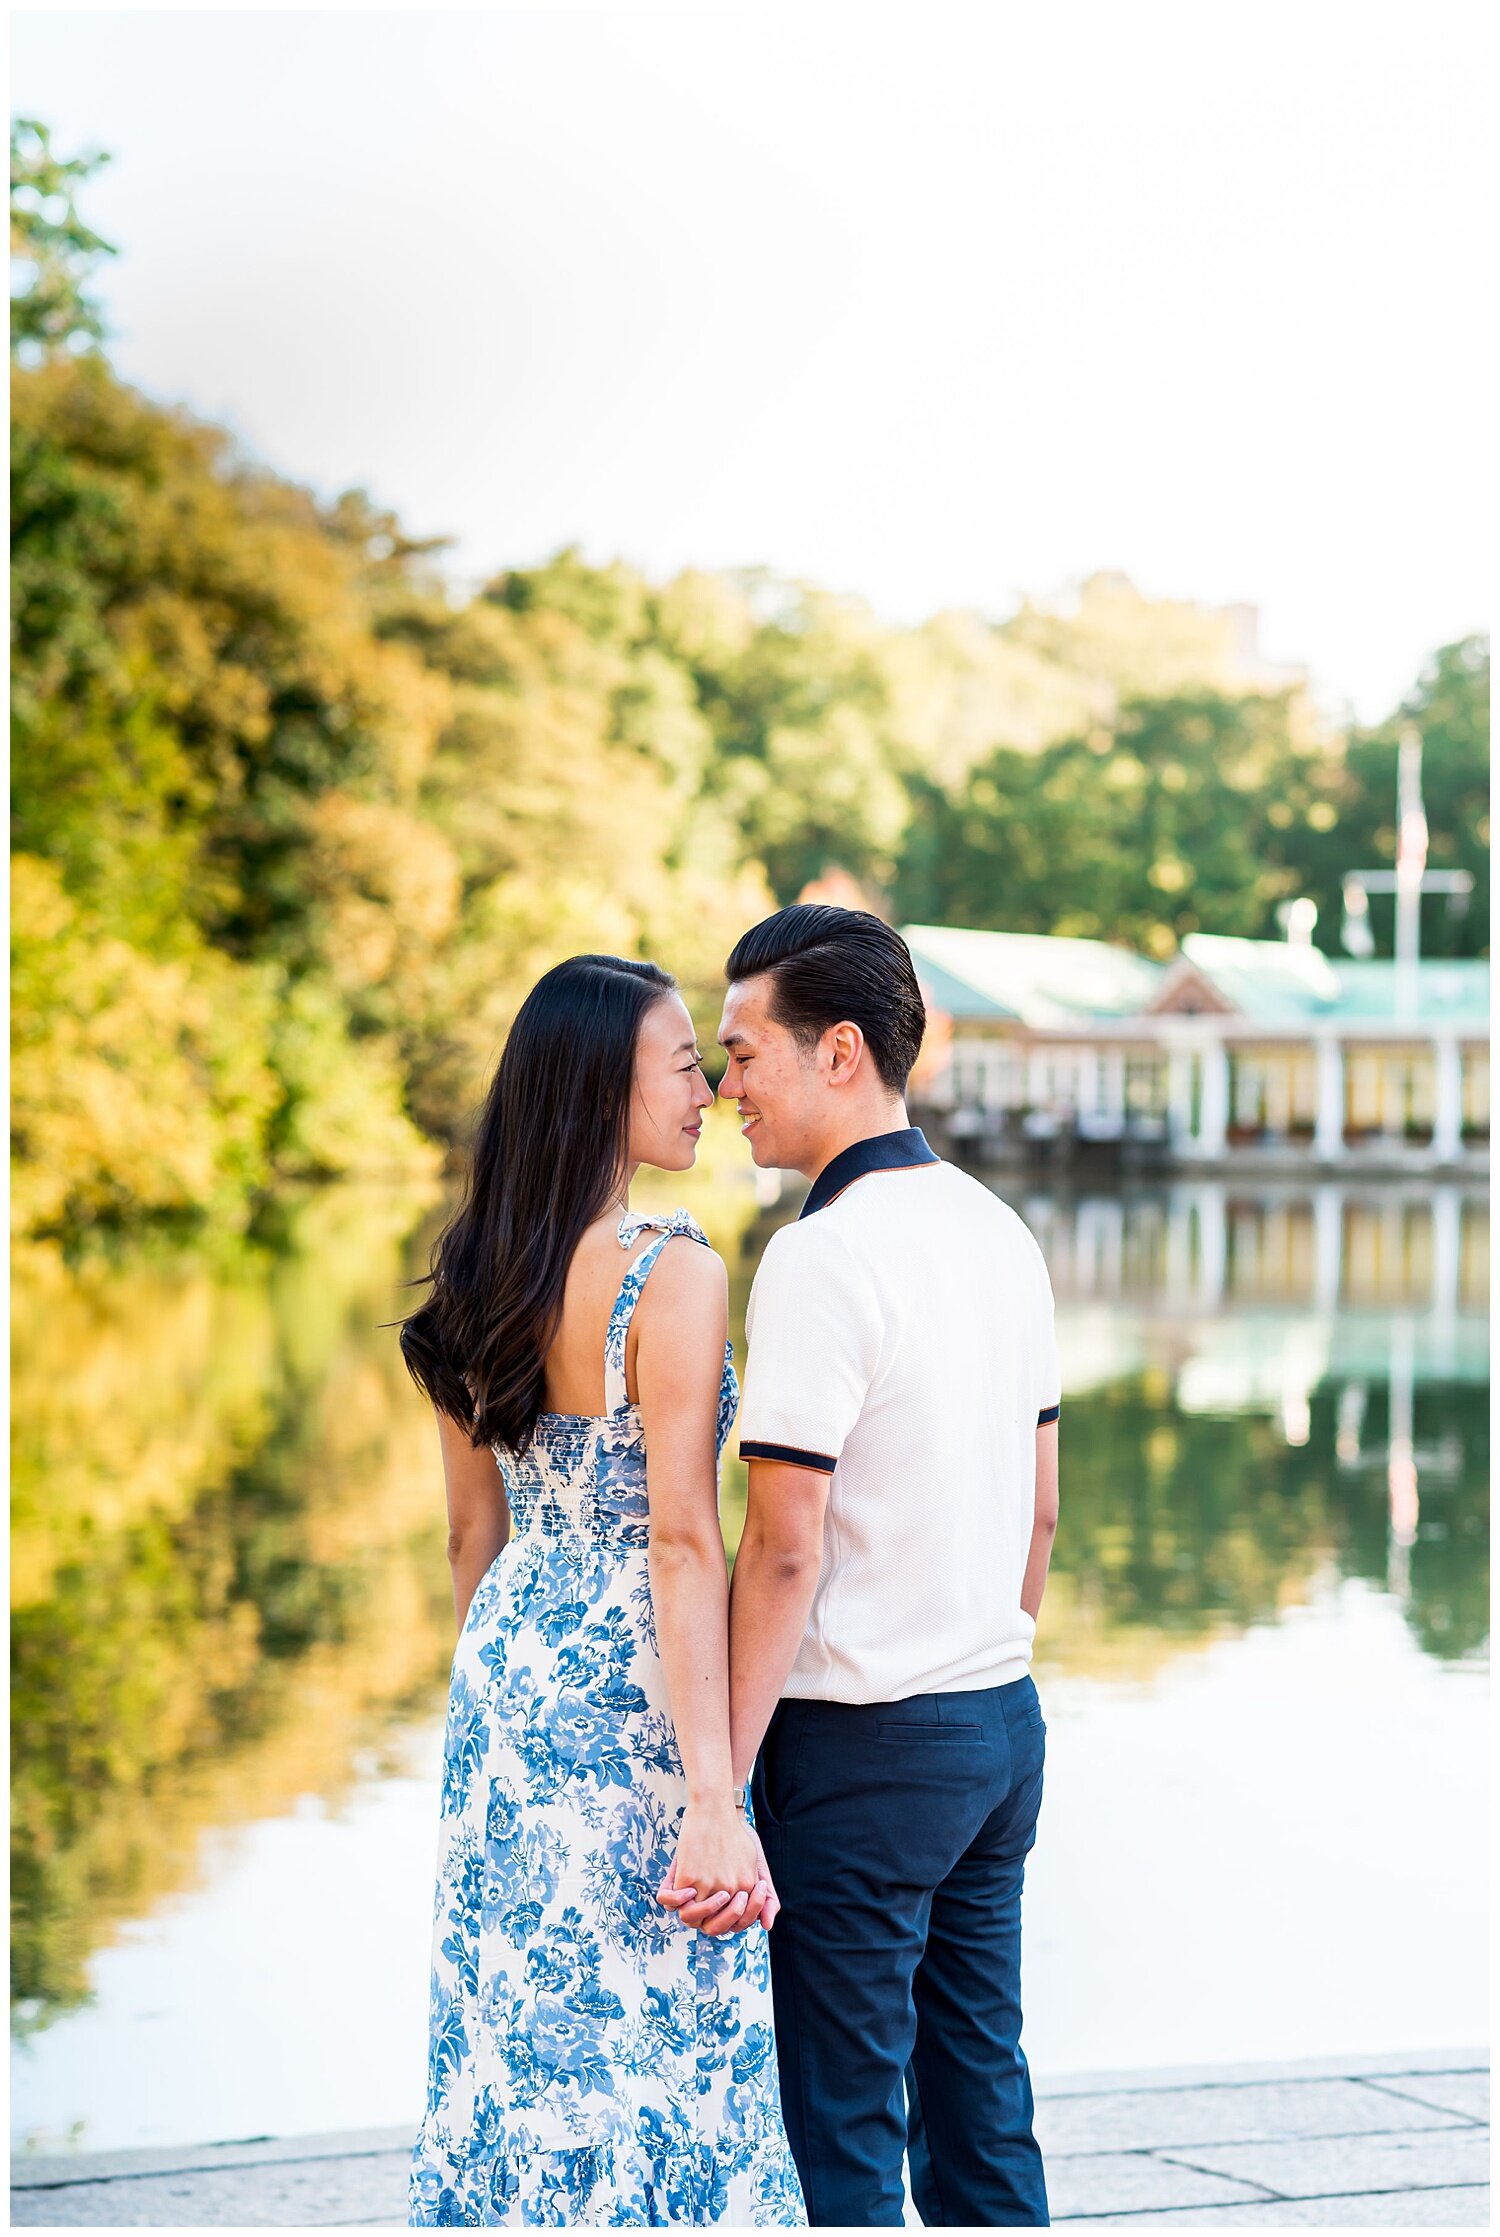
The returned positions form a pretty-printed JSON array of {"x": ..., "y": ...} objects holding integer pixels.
[{"x": 1411, "y": 866}]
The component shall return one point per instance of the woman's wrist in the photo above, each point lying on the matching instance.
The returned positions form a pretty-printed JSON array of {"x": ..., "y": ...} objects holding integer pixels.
[{"x": 724, "y": 1799}]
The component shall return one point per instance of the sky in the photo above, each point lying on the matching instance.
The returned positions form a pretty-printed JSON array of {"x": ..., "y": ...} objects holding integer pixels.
[{"x": 938, "y": 304}]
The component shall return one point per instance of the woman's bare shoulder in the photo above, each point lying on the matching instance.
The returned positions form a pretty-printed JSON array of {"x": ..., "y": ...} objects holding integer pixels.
[{"x": 687, "y": 1274}]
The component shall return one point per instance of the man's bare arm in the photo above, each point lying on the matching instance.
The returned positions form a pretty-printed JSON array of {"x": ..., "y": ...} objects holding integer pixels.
[
  {"x": 1044, "y": 1526},
  {"x": 775, "y": 1576}
]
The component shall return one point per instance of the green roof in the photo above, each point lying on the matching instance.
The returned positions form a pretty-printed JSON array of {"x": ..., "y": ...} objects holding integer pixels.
[
  {"x": 944, "y": 991},
  {"x": 1040, "y": 979},
  {"x": 1030, "y": 976},
  {"x": 1267, "y": 979},
  {"x": 1454, "y": 992}
]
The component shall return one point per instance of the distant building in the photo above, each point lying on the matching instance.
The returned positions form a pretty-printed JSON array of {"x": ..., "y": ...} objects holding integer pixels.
[{"x": 1247, "y": 1053}]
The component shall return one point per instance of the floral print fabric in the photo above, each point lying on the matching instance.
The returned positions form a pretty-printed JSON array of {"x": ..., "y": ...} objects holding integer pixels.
[{"x": 592, "y": 2062}]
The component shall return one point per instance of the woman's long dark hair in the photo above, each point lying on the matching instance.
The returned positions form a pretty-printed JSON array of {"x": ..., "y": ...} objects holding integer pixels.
[{"x": 549, "y": 1150}]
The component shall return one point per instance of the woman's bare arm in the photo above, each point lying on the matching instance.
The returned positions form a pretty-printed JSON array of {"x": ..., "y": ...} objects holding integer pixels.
[
  {"x": 478, "y": 1512},
  {"x": 681, "y": 1323}
]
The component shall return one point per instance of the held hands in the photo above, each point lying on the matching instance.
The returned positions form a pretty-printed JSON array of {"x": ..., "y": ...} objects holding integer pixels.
[{"x": 719, "y": 1881}]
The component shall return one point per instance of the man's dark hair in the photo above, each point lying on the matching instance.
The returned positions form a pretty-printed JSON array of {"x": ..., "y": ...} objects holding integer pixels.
[{"x": 828, "y": 965}]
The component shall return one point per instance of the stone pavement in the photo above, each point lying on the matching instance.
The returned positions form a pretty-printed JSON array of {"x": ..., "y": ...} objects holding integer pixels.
[{"x": 1356, "y": 2143}]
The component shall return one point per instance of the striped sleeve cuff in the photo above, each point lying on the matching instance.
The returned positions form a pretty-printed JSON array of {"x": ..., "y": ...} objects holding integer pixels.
[
  {"x": 1048, "y": 1413},
  {"x": 793, "y": 1455}
]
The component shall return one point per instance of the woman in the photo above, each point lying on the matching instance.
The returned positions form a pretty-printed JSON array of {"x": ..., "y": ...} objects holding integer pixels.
[{"x": 592, "y": 2059}]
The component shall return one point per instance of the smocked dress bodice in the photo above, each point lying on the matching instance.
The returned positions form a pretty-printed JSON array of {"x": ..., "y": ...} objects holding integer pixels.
[{"x": 584, "y": 1475}]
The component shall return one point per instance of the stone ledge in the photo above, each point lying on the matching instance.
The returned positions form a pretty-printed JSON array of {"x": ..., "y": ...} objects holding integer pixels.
[
  {"x": 1318, "y": 2166},
  {"x": 1354, "y": 2068},
  {"x": 1243, "y": 2113},
  {"x": 1464, "y": 2206},
  {"x": 53, "y": 2170},
  {"x": 1350, "y": 2142},
  {"x": 290, "y": 2194}
]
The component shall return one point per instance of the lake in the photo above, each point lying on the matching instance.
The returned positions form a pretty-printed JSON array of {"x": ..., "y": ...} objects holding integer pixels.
[{"x": 1262, "y": 1653}]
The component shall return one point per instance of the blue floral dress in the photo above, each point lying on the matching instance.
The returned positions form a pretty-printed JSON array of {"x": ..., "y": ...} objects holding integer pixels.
[{"x": 592, "y": 2061}]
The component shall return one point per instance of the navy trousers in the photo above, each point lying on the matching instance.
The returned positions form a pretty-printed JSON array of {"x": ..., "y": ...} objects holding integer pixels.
[{"x": 897, "y": 1835}]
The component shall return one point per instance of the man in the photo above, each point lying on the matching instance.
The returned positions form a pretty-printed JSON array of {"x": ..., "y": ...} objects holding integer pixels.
[{"x": 900, "y": 1424}]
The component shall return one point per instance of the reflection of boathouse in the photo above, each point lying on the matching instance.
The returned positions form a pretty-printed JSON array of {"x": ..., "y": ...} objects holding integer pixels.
[{"x": 1255, "y": 1054}]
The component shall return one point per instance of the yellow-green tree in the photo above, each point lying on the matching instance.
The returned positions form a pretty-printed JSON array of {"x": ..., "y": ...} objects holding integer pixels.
[{"x": 296, "y": 828}]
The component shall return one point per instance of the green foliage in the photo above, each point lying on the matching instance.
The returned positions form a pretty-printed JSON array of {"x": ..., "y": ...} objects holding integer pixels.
[
  {"x": 218, "y": 761},
  {"x": 304, "y": 827},
  {"x": 1183, "y": 1522},
  {"x": 52, "y": 246},
  {"x": 1450, "y": 709},
  {"x": 227, "y": 1574},
  {"x": 1182, "y": 816},
  {"x": 226, "y": 1570},
  {"x": 139, "y": 1088},
  {"x": 1200, "y": 812}
]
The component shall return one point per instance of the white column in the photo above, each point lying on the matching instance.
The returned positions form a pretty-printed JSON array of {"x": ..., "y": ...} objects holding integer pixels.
[
  {"x": 1213, "y": 1109},
  {"x": 1353, "y": 1399},
  {"x": 1448, "y": 1100},
  {"x": 1179, "y": 1251},
  {"x": 1328, "y": 1245},
  {"x": 1179, "y": 1098},
  {"x": 1088, "y": 1258},
  {"x": 1328, "y": 1136},
  {"x": 1113, "y": 1245},
  {"x": 1213, "y": 1240}
]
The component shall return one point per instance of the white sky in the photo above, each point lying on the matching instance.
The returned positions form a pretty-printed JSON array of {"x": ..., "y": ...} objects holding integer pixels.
[{"x": 938, "y": 302}]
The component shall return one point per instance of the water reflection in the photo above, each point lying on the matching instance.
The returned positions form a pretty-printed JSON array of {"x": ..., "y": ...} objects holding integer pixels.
[
  {"x": 1248, "y": 1372},
  {"x": 228, "y": 1573}
]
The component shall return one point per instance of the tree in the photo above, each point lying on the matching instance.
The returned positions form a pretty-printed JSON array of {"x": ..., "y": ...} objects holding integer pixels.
[
  {"x": 55, "y": 251},
  {"x": 306, "y": 826},
  {"x": 1450, "y": 710},
  {"x": 215, "y": 775},
  {"x": 1173, "y": 820}
]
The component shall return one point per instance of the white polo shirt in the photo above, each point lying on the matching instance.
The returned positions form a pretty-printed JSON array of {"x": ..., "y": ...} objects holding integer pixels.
[{"x": 900, "y": 1338}]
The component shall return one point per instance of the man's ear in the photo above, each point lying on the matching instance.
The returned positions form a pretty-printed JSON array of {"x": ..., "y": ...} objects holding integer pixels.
[{"x": 846, "y": 1047}]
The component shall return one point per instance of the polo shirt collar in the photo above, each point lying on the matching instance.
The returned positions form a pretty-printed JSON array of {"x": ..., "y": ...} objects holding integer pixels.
[{"x": 879, "y": 1153}]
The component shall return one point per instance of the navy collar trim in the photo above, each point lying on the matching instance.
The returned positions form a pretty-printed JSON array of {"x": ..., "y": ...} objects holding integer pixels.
[{"x": 880, "y": 1153}]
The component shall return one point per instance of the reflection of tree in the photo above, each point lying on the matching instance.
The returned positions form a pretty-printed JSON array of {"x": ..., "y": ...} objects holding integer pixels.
[
  {"x": 1176, "y": 1526},
  {"x": 1448, "y": 1602},
  {"x": 229, "y": 1528},
  {"x": 228, "y": 1573}
]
